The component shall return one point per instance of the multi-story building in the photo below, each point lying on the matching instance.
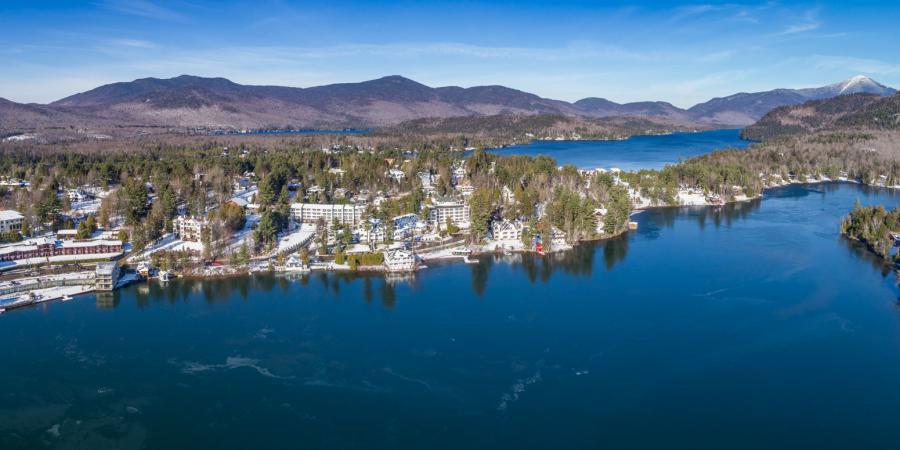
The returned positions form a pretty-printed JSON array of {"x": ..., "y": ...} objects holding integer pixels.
[
  {"x": 189, "y": 228},
  {"x": 456, "y": 212},
  {"x": 506, "y": 230},
  {"x": 349, "y": 214},
  {"x": 399, "y": 260},
  {"x": 106, "y": 275},
  {"x": 50, "y": 248},
  {"x": 10, "y": 221}
]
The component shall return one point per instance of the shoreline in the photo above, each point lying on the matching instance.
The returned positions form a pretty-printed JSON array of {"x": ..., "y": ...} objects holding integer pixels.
[
  {"x": 440, "y": 258},
  {"x": 481, "y": 253}
]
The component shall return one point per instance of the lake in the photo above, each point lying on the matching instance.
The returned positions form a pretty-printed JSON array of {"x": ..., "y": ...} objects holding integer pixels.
[
  {"x": 750, "y": 326},
  {"x": 635, "y": 153}
]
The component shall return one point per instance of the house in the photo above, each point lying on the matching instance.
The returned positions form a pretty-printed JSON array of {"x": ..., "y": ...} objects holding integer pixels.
[
  {"x": 458, "y": 174},
  {"x": 66, "y": 234},
  {"x": 295, "y": 264},
  {"x": 506, "y": 230},
  {"x": 600, "y": 219},
  {"x": 349, "y": 214},
  {"x": 405, "y": 225},
  {"x": 10, "y": 221},
  {"x": 456, "y": 212},
  {"x": 557, "y": 239},
  {"x": 76, "y": 195},
  {"x": 399, "y": 259},
  {"x": 240, "y": 202},
  {"x": 189, "y": 228},
  {"x": 396, "y": 175},
  {"x": 507, "y": 195},
  {"x": 371, "y": 231},
  {"x": 342, "y": 193},
  {"x": 465, "y": 188},
  {"x": 106, "y": 276},
  {"x": 427, "y": 179},
  {"x": 242, "y": 184}
]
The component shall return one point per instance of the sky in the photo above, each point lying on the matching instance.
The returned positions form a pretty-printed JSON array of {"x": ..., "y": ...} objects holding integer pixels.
[{"x": 683, "y": 53}]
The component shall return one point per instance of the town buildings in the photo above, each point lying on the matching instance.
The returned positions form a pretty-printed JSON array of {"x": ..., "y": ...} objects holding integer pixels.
[{"x": 347, "y": 214}]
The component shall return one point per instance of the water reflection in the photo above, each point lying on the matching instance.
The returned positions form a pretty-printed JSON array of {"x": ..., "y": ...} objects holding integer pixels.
[
  {"x": 859, "y": 251},
  {"x": 580, "y": 261},
  {"x": 650, "y": 221}
]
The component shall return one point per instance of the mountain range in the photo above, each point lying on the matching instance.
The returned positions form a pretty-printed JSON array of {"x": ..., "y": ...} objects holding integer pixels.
[
  {"x": 854, "y": 113},
  {"x": 217, "y": 103}
]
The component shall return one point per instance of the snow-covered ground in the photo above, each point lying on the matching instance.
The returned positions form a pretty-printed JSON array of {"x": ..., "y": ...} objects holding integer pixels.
[
  {"x": 443, "y": 253},
  {"x": 691, "y": 197},
  {"x": 85, "y": 208},
  {"x": 168, "y": 243},
  {"x": 507, "y": 244},
  {"x": 297, "y": 238}
]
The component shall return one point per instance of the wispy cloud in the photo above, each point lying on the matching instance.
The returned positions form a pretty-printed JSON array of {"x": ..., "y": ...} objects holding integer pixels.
[
  {"x": 724, "y": 12},
  {"x": 705, "y": 83},
  {"x": 808, "y": 22},
  {"x": 133, "y": 43},
  {"x": 577, "y": 50},
  {"x": 142, "y": 8}
]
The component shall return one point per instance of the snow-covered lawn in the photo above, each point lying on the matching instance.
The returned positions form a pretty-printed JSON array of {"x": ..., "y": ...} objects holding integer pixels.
[
  {"x": 169, "y": 243},
  {"x": 691, "y": 198},
  {"x": 507, "y": 244},
  {"x": 297, "y": 238}
]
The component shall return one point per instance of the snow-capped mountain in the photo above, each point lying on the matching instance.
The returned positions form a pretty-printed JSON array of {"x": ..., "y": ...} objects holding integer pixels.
[{"x": 853, "y": 85}]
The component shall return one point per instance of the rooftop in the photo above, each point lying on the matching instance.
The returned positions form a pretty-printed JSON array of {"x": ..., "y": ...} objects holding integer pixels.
[{"x": 8, "y": 214}]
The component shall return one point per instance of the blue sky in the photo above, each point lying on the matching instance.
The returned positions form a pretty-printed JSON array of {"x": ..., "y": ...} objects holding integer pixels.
[{"x": 678, "y": 52}]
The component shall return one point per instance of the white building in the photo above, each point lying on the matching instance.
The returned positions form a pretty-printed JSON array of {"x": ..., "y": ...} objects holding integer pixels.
[
  {"x": 456, "y": 212},
  {"x": 506, "y": 230},
  {"x": 428, "y": 179},
  {"x": 508, "y": 196},
  {"x": 399, "y": 260},
  {"x": 76, "y": 195},
  {"x": 189, "y": 228},
  {"x": 349, "y": 214},
  {"x": 295, "y": 264},
  {"x": 10, "y": 221},
  {"x": 558, "y": 239},
  {"x": 459, "y": 173},
  {"x": 371, "y": 231},
  {"x": 600, "y": 218},
  {"x": 465, "y": 188},
  {"x": 396, "y": 175},
  {"x": 106, "y": 276}
]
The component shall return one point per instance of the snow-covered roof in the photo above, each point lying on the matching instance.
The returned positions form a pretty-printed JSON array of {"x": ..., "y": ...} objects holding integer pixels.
[{"x": 8, "y": 214}]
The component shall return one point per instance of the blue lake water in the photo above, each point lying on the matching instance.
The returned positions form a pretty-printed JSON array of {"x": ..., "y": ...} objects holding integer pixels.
[
  {"x": 638, "y": 152},
  {"x": 746, "y": 327}
]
